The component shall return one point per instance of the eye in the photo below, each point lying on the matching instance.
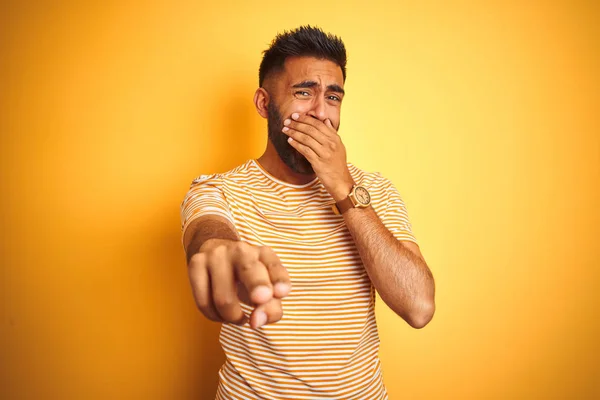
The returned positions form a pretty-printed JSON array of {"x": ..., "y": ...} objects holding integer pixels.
[
  {"x": 334, "y": 98},
  {"x": 302, "y": 93}
]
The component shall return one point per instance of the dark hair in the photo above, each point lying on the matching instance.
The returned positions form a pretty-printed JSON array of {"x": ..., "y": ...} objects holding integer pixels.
[{"x": 304, "y": 41}]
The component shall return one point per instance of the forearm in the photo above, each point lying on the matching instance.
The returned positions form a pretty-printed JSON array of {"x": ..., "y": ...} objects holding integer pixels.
[
  {"x": 208, "y": 232},
  {"x": 400, "y": 276}
]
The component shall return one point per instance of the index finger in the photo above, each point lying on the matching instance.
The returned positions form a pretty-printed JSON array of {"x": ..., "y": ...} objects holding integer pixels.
[
  {"x": 277, "y": 272},
  {"x": 314, "y": 123}
]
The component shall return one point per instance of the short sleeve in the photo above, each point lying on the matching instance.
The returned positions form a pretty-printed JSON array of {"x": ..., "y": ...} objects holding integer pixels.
[
  {"x": 395, "y": 216},
  {"x": 205, "y": 197}
]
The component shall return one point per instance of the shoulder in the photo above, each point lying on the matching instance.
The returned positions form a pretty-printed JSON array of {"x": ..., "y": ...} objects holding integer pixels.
[
  {"x": 218, "y": 179},
  {"x": 371, "y": 180}
]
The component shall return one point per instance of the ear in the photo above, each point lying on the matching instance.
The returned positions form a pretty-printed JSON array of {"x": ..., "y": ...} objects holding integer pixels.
[{"x": 261, "y": 101}]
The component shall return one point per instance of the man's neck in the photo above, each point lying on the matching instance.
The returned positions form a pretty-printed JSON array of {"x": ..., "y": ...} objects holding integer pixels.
[{"x": 272, "y": 163}]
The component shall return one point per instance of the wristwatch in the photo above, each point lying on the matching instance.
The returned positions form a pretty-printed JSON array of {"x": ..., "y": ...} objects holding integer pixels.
[{"x": 359, "y": 197}]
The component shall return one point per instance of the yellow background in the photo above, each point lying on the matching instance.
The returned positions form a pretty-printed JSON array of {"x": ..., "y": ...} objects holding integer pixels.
[{"x": 484, "y": 115}]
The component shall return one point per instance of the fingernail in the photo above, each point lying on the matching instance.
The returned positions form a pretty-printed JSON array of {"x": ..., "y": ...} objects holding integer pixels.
[
  {"x": 261, "y": 319},
  {"x": 281, "y": 289},
  {"x": 285, "y": 129},
  {"x": 295, "y": 115},
  {"x": 287, "y": 122},
  {"x": 261, "y": 294}
]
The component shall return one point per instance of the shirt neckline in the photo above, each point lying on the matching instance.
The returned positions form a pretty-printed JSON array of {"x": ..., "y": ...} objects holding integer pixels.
[{"x": 279, "y": 181}]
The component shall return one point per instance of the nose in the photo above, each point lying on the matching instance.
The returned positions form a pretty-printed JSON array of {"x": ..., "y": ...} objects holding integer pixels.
[{"x": 318, "y": 108}]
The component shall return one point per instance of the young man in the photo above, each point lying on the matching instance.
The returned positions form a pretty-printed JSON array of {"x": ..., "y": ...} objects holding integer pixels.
[{"x": 288, "y": 250}]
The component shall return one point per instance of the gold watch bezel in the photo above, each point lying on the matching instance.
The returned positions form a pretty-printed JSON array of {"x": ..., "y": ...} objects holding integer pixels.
[
  {"x": 354, "y": 199},
  {"x": 351, "y": 201}
]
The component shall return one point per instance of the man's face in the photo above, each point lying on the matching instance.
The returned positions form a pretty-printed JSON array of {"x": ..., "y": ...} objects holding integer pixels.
[{"x": 308, "y": 86}]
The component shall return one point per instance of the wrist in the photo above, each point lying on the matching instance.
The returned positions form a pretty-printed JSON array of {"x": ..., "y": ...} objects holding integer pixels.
[{"x": 342, "y": 191}]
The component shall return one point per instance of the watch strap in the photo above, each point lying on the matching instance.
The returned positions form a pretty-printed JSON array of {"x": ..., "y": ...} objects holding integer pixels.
[{"x": 342, "y": 206}]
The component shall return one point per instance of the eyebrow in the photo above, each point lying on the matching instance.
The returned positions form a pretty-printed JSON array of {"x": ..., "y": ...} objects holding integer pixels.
[{"x": 310, "y": 84}]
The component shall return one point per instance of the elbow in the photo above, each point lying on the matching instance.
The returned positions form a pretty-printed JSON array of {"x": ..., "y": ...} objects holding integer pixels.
[{"x": 422, "y": 316}]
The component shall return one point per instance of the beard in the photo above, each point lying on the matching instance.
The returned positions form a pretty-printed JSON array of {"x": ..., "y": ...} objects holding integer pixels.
[{"x": 289, "y": 155}]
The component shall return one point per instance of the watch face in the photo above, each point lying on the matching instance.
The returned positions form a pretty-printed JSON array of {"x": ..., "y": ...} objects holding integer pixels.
[{"x": 362, "y": 195}]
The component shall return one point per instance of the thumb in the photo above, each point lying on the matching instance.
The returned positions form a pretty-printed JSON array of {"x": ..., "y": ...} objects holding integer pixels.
[{"x": 328, "y": 123}]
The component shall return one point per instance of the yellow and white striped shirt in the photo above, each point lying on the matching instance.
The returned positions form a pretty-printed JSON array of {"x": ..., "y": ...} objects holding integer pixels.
[{"x": 326, "y": 345}]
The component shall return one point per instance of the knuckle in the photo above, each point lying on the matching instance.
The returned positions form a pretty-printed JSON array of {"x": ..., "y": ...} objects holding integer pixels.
[
  {"x": 244, "y": 245},
  {"x": 242, "y": 249},
  {"x": 265, "y": 251},
  {"x": 271, "y": 265},
  {"x": 216, "y": 254},
  {"x": 197, "y": 260},
  {"x": 245, "y": 267},
  {"x": 224, "y": 301},
  {"x": 219, "y": 250},
  {"x": 214, "y": 261}
]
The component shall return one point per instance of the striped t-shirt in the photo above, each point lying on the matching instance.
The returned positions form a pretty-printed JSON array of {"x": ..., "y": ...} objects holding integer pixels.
[{"x": 326, "y": 345}]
